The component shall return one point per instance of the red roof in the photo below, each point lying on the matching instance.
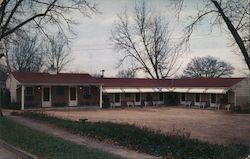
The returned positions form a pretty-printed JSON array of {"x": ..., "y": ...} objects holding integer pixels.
[
  {"x": 60, "y": 78},
  {"x": 135, "y": 82},
  {"x": 73, "y": 78},
  {"x": 185, "y": 82},
  {"x": 206, "y": 82}
]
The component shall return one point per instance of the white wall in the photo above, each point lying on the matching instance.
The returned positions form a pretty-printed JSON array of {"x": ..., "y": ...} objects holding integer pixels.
[{"x": 242, "y": 92}]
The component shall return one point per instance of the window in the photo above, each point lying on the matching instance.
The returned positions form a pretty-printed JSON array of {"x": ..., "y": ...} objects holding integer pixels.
[
  {"x": 29, "y": 91},
  {"x": 137, "y": 97},
  {"x": 197, "y": 97},
  {"x": 213, "y": 98},
  {"x": 127, "y": 94},
  {"x": 161, "y": 96},
  {"x": 59, "y": 91},
  {"x": 86, "y": 91},
  {"x": 117, "y": 98},
  {"x": 183, "y": 97},
  {"x": 46, "y": 94},
  {"x": 148, "y": 97},
  {"x": 72, "y": 93}
]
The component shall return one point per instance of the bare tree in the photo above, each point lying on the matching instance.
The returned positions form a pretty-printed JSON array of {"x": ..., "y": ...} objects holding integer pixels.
[
  {"x": 58, "y": 53},
  {"x": 26, "y": 54},
  {"x": 146, "y": 41},
  {"x": 126, "y": 73},
  {"x": 208, "y": 67},
  {"x": 39, "y": 15},
  {"x": 234, "y": 13}
]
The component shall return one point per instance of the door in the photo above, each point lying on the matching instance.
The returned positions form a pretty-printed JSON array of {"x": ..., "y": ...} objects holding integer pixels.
[
  {"x": 213, "y": 100},
  {"x": 117, "y": 99},
  {"x": 137, "y": 99},
  {"x": 197, "y": 99},
  {"x": 46, "y": 97},
  {"x": 72, "y": 96}
]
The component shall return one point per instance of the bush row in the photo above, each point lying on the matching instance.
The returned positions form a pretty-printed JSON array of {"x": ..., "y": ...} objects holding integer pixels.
[{"x": 146, "y": 140}]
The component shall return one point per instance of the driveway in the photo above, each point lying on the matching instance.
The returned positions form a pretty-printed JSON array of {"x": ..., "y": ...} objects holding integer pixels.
[{"x": 214, "y": 126}]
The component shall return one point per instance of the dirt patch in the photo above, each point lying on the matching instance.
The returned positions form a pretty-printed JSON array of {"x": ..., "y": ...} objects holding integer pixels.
[{"x": 214, "y": 126}]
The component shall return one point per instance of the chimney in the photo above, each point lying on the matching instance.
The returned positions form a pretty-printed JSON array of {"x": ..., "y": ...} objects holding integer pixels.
[{"x": 102, "y": 76}]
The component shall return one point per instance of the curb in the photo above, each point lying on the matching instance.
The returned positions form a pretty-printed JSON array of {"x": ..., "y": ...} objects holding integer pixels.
[{"x": 20, "y": 153}]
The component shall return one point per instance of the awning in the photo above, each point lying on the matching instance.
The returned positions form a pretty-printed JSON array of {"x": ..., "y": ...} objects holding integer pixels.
[
  {"x": 196, "y": 90},
  {"x": 148, "y": 90},
  {"x": 181, "y": 90},
  {"x": 164, "y": 89},
  {"x": 112, "y": 90},
  {"x": 217, "y": 90},
  {"x": 131, "y": 90}
]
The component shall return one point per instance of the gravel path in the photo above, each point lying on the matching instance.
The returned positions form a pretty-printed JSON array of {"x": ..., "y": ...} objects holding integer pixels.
[
  {"x": 220, "y": 127},
  {"x": 49, "y": 129}
]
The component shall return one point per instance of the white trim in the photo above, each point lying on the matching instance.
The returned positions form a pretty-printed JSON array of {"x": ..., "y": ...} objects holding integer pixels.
[
  {"x": 196, "y": 90},
  {"x": 148, "y": 90},
  {"x": 131, "y": 90},
  {"x": 112, "y": 90},
  {"x": 46, "y": 103},
  {"x": 100, "y": 104},
  {"x": 73, "y": 102},
  {"x": 216, "y": 90},
  {"x": 181, "y": 90},
  {"x": 22, "y": 97}
]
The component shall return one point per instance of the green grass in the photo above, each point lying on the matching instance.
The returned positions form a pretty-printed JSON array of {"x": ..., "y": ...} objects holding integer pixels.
[
  {"x": 46, "y": 146},
  {"x": 146, "y": 140}
]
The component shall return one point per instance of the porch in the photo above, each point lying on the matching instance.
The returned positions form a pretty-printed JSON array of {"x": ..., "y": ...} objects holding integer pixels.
[{"x": 46, "y": 96}]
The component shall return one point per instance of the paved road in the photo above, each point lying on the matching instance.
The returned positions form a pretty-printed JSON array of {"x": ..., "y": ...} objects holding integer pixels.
[{"x": 6, "y": 154}]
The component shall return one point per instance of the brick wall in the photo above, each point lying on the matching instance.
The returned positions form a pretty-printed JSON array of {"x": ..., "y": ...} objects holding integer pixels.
[{"x": 92, "y": 99}]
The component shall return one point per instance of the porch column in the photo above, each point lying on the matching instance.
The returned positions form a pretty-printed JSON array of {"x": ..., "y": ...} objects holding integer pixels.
[
  {"x": 100, "y": 96},
  {"x": 22, "y": 97},
  {"x": 235, "y": 104}
]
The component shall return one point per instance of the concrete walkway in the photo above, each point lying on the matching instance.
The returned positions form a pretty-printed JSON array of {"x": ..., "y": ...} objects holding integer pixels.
[{"x": 50, "y": 129}]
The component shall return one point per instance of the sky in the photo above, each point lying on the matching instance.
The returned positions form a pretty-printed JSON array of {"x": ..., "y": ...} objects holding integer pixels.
[{"x": 93, "y": 50}]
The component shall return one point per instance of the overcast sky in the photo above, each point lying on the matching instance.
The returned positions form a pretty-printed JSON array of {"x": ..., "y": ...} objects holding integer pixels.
[{"x": 93, "y": 50}]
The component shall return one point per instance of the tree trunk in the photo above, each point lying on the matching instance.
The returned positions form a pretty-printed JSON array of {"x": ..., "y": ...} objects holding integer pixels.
[{"x": 234, "y": 33}]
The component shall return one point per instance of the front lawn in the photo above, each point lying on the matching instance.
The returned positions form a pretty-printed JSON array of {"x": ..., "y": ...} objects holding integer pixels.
[
  {"x": 146, "y": 140},
  {"x": 46, "y": 146}
]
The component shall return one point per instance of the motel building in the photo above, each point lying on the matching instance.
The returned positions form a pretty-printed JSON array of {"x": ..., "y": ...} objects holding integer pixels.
[{"x": 38, "y": 90}]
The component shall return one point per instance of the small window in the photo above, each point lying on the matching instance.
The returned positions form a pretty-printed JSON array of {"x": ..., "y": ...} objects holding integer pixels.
[
  {"x": 117, "y": 98},
  {"x": 59, "y": 91},
  {"x": 183, "y": 97},
  {"x": 161, "y": 96},
  {"x": 29, "y": 91},
  {"x": 86, "y": 91},
  {"x": 197, "y": 97}
]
